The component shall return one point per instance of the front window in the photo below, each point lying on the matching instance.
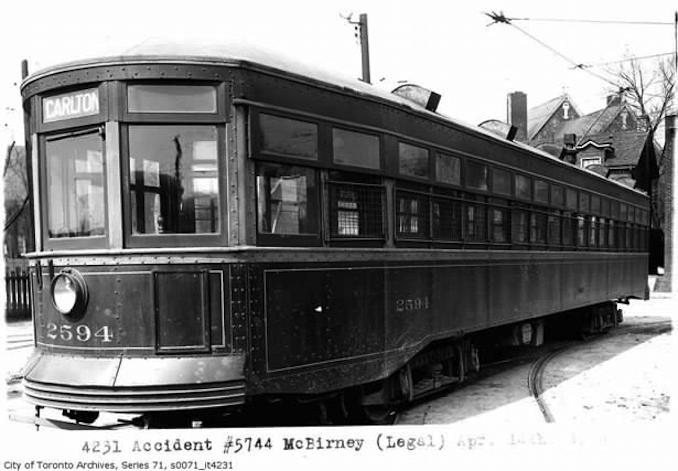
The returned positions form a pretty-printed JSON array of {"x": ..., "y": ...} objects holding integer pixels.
[
  {"x": 173, "y": 178},
  {"x": 75, "y": 185}
]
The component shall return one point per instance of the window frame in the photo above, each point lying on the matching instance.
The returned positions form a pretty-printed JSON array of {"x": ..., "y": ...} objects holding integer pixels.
[
  {"x": 267, "y": 239},
  {"x": 430, "y": 170},
  {"x": 331, "y": 236},
  {"x": 349, "y": 167},
  {"x": 219, "y": 116},
  {"x": 83, "y": 242},
  {"x": 64, "y": 125},
  {"x": 132, "y": 240}
]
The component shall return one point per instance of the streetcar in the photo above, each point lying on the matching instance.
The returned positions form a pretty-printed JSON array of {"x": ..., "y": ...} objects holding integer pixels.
[{"x": 217, "y": 227}]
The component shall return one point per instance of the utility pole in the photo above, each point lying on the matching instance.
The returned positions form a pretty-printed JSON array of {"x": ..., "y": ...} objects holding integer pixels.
[
  {"x": 672, "y": 155},
  {"x": 361, "y": 35},
  {"x": 669, "y": 282}
]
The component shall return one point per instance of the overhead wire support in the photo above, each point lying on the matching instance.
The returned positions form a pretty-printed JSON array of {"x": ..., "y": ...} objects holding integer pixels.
[{"x": 500, "y": 17}]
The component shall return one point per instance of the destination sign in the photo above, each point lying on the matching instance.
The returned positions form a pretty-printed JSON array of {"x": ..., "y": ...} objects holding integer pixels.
[{"x": 70, "y": 105}]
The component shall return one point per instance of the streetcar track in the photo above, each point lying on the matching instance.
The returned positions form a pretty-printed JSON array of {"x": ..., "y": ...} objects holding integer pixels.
[{"x": 535, "y": 379}]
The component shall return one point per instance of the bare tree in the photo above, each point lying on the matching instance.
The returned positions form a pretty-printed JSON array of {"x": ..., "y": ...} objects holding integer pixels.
[{"x": 648, "y": 89}]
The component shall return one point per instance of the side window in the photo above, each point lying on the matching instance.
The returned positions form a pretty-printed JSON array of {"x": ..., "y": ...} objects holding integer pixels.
[
  {"x": 356, "y": 210},
  {"x": 413, "y": 160},
  {"x": 476, "y": 222},
  {"x": 412, "y": 214},
  {"x": 448, "y": 169},
  {"x": 519, "y": 226},
  {"x": 476, "y": 175},
  {"x": 355, "y": 149},
  {"x": 287, "y": 200},
  {"x": 541, "y": 191},
  {"x": 288, "y": 137},
  {"x": 499, "y": 223},
  {"x": 446, "y": 219},
  {"x": 523, "y": 187},
  {"x": 501, "y": 182}
]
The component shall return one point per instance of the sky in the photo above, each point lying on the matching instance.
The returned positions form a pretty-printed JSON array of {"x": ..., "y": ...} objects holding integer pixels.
[{"x": 444, "y": 46}]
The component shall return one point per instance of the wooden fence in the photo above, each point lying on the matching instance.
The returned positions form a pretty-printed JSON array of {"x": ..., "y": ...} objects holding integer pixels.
[{"x": 18, "y": 291}]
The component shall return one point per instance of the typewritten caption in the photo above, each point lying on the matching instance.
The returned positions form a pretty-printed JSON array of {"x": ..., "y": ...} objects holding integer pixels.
[{"x": 229, "y": 451}]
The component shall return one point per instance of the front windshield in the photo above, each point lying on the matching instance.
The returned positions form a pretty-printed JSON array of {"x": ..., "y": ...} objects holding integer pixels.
[
  {"x": 75, "y": 185},
  {"x": 174, "y": 179}
]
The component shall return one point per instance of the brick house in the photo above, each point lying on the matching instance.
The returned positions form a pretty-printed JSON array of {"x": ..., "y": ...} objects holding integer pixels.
[{"x": 611, "y": 141}]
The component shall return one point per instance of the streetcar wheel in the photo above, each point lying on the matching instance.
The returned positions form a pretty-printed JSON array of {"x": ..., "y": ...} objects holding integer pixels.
[
  {"x": 377, "y": 404},
  {"x": 333, "y": 411},
  {"x": 383, "y": 413}
]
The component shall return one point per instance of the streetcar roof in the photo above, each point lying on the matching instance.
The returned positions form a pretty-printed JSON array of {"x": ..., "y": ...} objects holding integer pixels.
[{"x": 247, "y": 55}]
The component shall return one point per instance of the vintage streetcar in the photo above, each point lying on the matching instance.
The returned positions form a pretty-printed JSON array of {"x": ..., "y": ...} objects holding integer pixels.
[{"x": 216, "y": 228}]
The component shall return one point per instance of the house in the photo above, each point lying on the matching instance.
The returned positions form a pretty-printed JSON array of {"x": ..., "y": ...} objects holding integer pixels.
[{"x": 612, "y": 141}]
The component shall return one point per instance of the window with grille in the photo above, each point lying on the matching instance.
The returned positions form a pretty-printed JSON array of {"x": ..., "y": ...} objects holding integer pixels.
[
  {"x": 519, "y": 226},
  {"x": 568, "y": 228},
  {"x": 593, "y": 231},
  {"x": 412, "y": 215},
  {"x": 538, "y": 227},
  {"x": 446, "y": 219},
  {"x": 499, "y": 222},
  {"x": 554, "y": 228},
  {"x": 602, "y": 233},
  {"x": 356, "y": 210},
  {"x": 476, "y": 226},
  {"x": 581, "y": 231}
]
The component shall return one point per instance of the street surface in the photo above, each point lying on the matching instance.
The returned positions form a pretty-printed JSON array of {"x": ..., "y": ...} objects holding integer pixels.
[{"x": 622, "y": 376}]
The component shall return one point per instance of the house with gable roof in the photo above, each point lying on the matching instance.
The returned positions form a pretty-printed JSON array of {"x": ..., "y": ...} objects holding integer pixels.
[{"x": 611, "y": 141}]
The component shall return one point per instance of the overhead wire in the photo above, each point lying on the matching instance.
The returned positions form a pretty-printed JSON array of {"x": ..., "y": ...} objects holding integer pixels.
[
  {"x": 608, "y": 22},
  {"x": 501, "y": 18}
]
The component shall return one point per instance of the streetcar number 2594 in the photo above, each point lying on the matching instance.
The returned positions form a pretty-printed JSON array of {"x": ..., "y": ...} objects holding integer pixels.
[
  {"x": 417, "y": 303},
  {"x": 78, "y": 333}
]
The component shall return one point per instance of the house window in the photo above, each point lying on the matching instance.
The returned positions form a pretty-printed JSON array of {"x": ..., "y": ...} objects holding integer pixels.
[{"x": 588, "y": 161}]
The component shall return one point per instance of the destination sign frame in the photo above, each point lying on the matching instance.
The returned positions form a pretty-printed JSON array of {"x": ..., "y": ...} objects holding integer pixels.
[{"x": 71, "y": 105}]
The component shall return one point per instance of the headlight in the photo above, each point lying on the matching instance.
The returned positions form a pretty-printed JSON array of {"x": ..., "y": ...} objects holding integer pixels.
[{"x": 69, "y": 292}]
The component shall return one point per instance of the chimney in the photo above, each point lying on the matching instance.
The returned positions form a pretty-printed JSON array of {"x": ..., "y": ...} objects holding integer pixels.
[
  {"x": 569, "y": 141},
  {"x": 614, "y": 100},
  {"x": 516, "y": 114}
]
